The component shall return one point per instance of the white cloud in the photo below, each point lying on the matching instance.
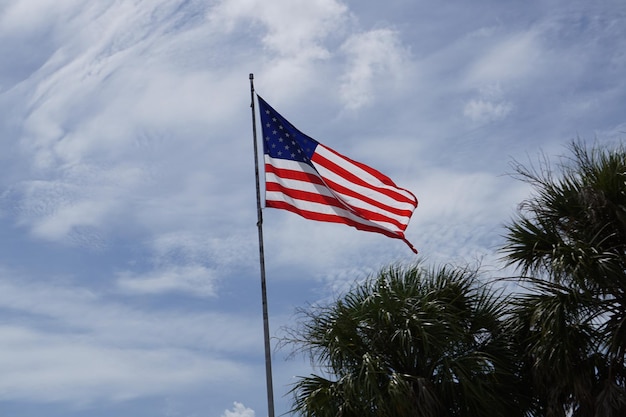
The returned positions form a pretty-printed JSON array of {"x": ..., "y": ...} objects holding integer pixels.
[
  {"x": 509, "y": 59},
  {"x": 376, "y": 60},
  {"x": 86, "y": 312},
  {"x": 63, "y": 215},
  {"x": 461, "y": 214},
  {"x": 480, "y": 110},
  {"x": 294, "y": 27},
  {"x": 83, "y": 196},
  {"x": 239, "y": 410},
  {"x": 120, "y": 157},
  {"x": 195, "y": 280},
  {"x": 56, "y": 367},
  {"x": 291, "y": 41},
  {"x": 30, "y": 15},
  {"x": 71, "y": 344},
  {"x": 224, "y": 252},
  {"x": 489, "y": 106}
]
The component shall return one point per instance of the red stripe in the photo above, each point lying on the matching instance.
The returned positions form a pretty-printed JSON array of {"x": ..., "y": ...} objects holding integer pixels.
[
  {"x": 332, "y": 186},
  {"x": 312, "y": 215},
  {"x": 304, "y": 195},
  {"x": 293, "y": 175},
  {"x": 373, "y": 215},
  {"x": 349, "y": 176},
  {"x": 344, "y": 190},
  {"x": 333, "y": 202},
  {"x": 375, "y": 173},
  {"x": 377, "y": 217}
]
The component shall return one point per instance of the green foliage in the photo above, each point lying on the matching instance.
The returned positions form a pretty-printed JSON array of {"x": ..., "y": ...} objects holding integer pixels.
[
  {"x": 571, "y": 324},
  {"x": 574, "y": 226},
  {"x": 409, "y": 342}
]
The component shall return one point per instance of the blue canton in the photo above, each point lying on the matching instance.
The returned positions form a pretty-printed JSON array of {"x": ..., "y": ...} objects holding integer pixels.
[{"x": 281, "y": 139}]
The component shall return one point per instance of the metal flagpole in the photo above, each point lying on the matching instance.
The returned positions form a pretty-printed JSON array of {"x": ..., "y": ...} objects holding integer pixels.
[{"x": 266, "y": 326}]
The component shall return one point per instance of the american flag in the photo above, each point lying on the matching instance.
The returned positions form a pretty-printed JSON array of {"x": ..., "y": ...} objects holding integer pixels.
[{"x": 314, "y": 181}]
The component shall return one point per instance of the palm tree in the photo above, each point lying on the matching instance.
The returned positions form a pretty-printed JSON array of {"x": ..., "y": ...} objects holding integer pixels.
[
  {"x": 409, "y": 341},
  {"x": 570, "y": 236},
  {"x": 555, "y": 331}
]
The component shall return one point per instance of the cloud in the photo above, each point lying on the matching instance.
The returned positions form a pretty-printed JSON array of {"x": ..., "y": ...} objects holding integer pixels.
[
  {"x": 239, "y": 410},
  {"x": 30, "y": 15},
  {"x": 289, "y": 42},
  {"x": 293, "y": 27},
  {"x": 114, "y": 169},
  {"x": 73, "y": 368},
  {"x": 55, "y": 208},
  {"x": 76, "y": 309},
  {"x": 377, "y": 60},
  {"x": 489, "y": 106},
  {"x": 461, "y": 214},
  {"x": 194, "y": 280},
  {"x": 480, "y": 110},
  {"x": 79, "y": 346},
  {"x": 508, "y": 59}
]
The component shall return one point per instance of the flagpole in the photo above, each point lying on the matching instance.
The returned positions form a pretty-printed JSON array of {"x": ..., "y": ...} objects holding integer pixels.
[{"x": 266, "y": 326}]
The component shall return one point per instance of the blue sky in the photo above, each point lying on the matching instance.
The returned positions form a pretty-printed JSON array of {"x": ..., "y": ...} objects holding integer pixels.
[{"x": 129, "y": 281}]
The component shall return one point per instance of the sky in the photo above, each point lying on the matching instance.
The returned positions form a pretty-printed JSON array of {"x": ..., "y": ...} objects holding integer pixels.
[{"x": 129, "y": 260}]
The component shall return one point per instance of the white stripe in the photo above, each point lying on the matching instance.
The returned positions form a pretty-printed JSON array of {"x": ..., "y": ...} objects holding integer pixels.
[
  {"x": 323, "y": 190},
  {"x": 326, "y": 209},
  {"x": 358, "y": 171},
  {"x": 316, "y": 188},
  {"x": 348, "y": 200},
  {"x": 289, "y": 164},
  {"x": 365, "y": 191},
  {"x": 299, "y": 185}
]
